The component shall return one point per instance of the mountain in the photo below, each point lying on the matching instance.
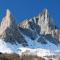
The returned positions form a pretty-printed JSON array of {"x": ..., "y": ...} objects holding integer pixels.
[
  {"x": 9, "y": 30},
  {"x": 36, "y": 35},
  {"x": 40, "y": 25}
]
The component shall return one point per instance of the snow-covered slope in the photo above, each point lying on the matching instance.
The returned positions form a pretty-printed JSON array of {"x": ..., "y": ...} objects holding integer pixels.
[
  {"x": 43, "y": 50},
  {"x": 37, "y": 36}
]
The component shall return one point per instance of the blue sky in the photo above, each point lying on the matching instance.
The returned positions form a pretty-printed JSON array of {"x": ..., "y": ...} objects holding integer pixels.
[{"x": 23, "y": 9}]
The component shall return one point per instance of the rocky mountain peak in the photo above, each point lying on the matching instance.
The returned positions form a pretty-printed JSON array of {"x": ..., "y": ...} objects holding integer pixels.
[
  {"x": 45, "y": 21},
  {"x": 45, "y": 12},
  {"x": 7, "y": 22},
  {"x": 32, "y": 28},
  {"x": 9, "y": 31},
  {"x": 41, "y": 24},
  {"x": 8, "y": 13},
  {"x": 8, "y": 19}
]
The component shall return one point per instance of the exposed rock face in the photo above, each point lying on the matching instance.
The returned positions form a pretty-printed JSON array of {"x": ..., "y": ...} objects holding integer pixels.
[
  {"x": 41, "y": 24},
  {"x": 9, "y": 31},
  {"x": 43, "y": 20},
  {"x": 24, "y": 24},
  {"x": 56, "y": 34},
  {"x": 40, "y": 27}
]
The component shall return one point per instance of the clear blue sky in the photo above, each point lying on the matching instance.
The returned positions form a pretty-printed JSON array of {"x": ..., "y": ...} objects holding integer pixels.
[{"x": 23, "y": 9}]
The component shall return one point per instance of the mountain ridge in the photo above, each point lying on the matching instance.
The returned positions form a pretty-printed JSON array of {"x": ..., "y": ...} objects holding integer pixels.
[
  {"x": 45, "y": 25},
  {"x": 37, "y": 32}
]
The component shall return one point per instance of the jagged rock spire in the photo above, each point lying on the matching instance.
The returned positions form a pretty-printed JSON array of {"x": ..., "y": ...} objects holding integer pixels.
[
  {"x": 8, "y": 13},
  {"x": 41, "y": 24},
  {"x": 9, "y": 19},
  {"x": 7, "y": 22},
  {"x": 46, "y": 12},
  {"x": 9, "y": 31}
]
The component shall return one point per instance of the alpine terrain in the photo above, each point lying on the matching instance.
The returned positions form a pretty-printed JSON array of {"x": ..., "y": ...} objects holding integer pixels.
[{"x": 35, "y": 36}]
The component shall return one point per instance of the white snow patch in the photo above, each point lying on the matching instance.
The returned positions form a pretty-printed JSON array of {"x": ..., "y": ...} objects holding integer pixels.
[{"x": 34, "y": 48}]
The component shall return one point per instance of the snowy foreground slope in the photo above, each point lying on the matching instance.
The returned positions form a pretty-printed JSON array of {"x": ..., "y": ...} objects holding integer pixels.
[
  {"x": 37, "y": 36},
  {"x": 39, "y": 50}
]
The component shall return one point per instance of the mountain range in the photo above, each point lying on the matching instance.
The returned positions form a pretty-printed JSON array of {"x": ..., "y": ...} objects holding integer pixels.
[{"x": 37, "y": 34}]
